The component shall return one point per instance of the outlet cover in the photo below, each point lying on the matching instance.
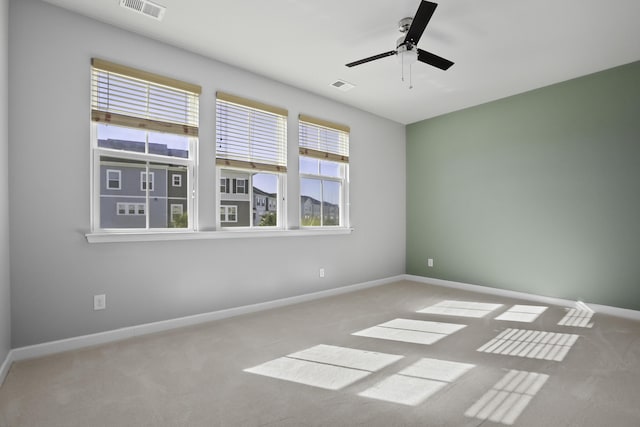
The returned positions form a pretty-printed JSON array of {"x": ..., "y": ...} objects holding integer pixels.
[
  {"x": 430, "y": 262},
  {"x": 322, "y": 272},
  {"x": 99, "y": 302}
]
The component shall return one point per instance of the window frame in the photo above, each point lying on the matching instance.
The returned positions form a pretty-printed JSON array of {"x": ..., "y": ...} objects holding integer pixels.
[
  {"x": 172, "y": 213},
  {"x": 121, "y": 206},
  {"x": 342, "y": 205},
  {"x": 127, "y": 208},
  {"x": 190, "y": 181},
  {"x": 248, "y": 156},
  {"x": 227, "y": 209},
  {"x": 149, "y": 126},
  {"x": 325, "y": 150},
  {"x": 244, "y": 186},
  {"x": 108, "y": 180},
  {"x": 147, "y": 179},
  {"x": 250, "y": 198}
]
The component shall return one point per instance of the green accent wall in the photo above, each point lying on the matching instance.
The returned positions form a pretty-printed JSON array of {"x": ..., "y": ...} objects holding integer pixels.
[{"x": 538, "y": 192}]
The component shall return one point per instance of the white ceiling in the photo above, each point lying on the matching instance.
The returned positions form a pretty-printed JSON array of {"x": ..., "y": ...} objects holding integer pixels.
[{"x": 500, "y": 47}]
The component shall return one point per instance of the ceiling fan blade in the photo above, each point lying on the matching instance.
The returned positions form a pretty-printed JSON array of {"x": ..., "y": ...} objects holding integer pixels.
[
  {"x": 420, "y": 21},
  {"x": 371, "y": 58},
  {"x": 435, "y": 60}
]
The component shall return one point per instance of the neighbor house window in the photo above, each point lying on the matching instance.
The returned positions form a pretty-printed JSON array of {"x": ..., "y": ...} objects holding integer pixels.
[
  {"x": 241, "y": 186},
  {"x": 324, "y": 173},
  {"x": 228, "y": 213},
  {"x": 251, "y": 159},
  {"x": 113, "y": 179},
  {"x": 146, "y": 181},
  {"x": 144, "y": 126},
  {"x": 176, "y": 211},
  {"x": 130, "y": 208}
]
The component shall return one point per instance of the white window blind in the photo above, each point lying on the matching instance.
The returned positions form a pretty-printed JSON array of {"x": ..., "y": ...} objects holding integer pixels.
[
  {"x": 323, "y": 140},
  {"x": 128, "y": 97},
  {"x": 250, "y": 134}
]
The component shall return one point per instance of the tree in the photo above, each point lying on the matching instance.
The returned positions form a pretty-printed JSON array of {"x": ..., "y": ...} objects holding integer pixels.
[
  {"x": 179, "y": 221},
  {"x": 268, "y": 219}
]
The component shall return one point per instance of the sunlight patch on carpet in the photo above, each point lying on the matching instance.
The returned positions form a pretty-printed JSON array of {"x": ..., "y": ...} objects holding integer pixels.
[
  {"x": 411, "y": 331},
  {"x": 522, "y": 313},
  {"x": 531, "y": 344},
  {"x": 508, "y": 398},
  {"x": 325, "y": 366},
  {"x": 461, "y": 308},
  {"x": 416, "y": 383}
]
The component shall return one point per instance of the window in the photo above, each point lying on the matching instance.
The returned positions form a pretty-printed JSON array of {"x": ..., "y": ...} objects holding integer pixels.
[
  {"x": 241, "y": 186},
  {"x": 130, "y": 208},
  {"x": 113, "y": 179},
  {"x": 146, "y": 183},
  {"x": 176, "y": 211},
  {"x": 143, "y": 126},
  {"x": 251, "y": 159},
  {"x": 324, "y": 173},
  {"x": 228, "y": 213}
]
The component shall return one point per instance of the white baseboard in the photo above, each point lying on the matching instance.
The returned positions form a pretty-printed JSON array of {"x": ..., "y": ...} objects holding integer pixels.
[
  {"x": 597, "y": 308},
  {"x": 4, "y": 368},
  {"x": 615, "y": 311},
  {"x": 75, "y": 343},
  {"x": 52, "y": 347}
]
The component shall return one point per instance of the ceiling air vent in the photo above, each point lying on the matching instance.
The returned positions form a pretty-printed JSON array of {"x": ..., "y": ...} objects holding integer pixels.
[
  {"x": 342, "y": 85},
  {"x": 144, "y": 7}
]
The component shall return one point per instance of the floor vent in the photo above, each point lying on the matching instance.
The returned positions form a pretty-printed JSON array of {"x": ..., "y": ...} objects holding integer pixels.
[{"x": 144, "y": 7}]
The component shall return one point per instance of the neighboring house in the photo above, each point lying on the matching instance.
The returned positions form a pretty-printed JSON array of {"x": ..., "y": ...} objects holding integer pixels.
[
  {"x": 238, "y": 201},
  {"x": 176, "y": 192},
  {"x": 124, "y": 184},
  {"x": 312, "y": 209},
  {"x": 263, "y": 204},
  {"x": 235, "y": 199}
]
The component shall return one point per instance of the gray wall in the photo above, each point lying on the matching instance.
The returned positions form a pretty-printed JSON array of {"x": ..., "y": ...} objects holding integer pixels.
[
  {"x": 5, "y": 309},
  {"x": 538, "y": 192},
  {"x": 55, "y": 272}
]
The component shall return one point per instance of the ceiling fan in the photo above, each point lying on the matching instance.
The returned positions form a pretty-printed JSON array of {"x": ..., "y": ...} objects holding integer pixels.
[{"x": 406, "y": 46}]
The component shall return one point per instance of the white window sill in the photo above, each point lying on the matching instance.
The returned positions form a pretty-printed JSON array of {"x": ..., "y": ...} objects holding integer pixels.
[{"x": 137, "y": 236}]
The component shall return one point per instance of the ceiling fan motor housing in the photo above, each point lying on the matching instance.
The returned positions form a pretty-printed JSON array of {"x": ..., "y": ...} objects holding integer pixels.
[
  {"x": 404, "y": 24},
  {"x": 406, "y": 52}
]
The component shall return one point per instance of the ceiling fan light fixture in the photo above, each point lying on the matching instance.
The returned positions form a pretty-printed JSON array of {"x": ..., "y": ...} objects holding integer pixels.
[{"x": 407, "y": 57}]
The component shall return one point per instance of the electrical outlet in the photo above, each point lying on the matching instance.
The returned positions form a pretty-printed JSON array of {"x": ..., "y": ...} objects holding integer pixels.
[
  {"x": 99, "y": 302},
  {"x": 430, "y": 262},
  {"x": 322, "y": 272}
]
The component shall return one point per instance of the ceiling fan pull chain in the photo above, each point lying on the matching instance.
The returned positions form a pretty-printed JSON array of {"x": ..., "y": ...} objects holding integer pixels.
[{"x": 410, "y": 78}]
